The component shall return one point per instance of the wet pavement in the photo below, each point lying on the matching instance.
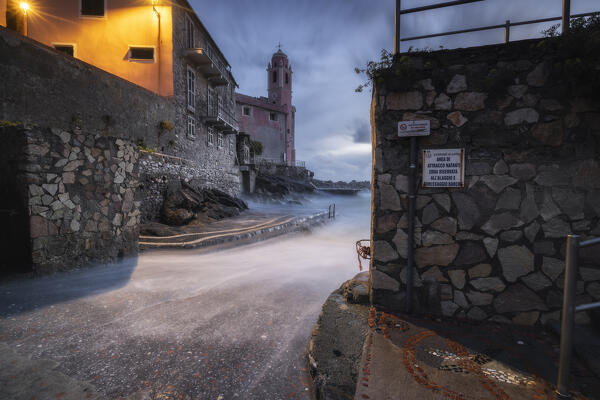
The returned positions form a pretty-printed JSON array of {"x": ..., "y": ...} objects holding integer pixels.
[
  {"x": 177, "y": 324},
  {"x": 409, "y": 358}
]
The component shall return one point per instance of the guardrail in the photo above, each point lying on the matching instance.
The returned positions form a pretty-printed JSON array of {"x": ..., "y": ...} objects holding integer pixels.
[
  {"x": 565, "y": 18},
  {"x": 569, "y": 309}
]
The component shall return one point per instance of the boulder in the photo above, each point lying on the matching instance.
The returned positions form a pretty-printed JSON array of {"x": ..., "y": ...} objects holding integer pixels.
[{"x": 184, "y": 203}]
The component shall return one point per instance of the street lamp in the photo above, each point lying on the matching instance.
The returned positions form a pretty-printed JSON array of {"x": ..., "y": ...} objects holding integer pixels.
[{"x": 25, "y": 7}]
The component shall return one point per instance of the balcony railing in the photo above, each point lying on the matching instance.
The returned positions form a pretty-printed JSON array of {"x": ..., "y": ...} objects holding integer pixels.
[
  {"x": 221, "y": 119},
  {"x": 215, "y": 74}
]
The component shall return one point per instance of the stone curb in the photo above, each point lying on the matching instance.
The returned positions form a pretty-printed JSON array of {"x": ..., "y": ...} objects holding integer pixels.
[{"x": 335, "y": 349}]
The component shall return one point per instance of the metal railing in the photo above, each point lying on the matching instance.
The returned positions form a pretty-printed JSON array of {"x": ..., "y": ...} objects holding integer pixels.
[
  {"x": 332, "y": 211},
  {"x": 565, "y": 18},
  {"x": 278, "y": 161},
  {"x": 218, "y": 111},
  {"x": 569, "y": 309}
]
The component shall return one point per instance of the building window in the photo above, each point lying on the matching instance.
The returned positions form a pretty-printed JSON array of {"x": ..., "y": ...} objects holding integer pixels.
[
  {"x": 287, "y": 78},
  {"x": 68, "y": 49},
  {"x": 191, "y": 127},
  {"x": 246, "y": 110},
  {"x": 92, "y": 8},
  {"x": 231, "y": 144},
  {"x": 274, "y": 76},
  {"x": 189, "y": 33},
  {"x": 210, "y": 137},
  {"x": 191, "y": 89},
  {"x": 273, "y": 116},
  {"x": 220, "y": 140},
  {"x": 139, "y": 53}
]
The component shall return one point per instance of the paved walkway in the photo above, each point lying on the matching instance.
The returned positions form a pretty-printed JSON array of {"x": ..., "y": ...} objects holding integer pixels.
[
  {"x": 249, "y": 226},
  {"x": 421, "y": 359}
]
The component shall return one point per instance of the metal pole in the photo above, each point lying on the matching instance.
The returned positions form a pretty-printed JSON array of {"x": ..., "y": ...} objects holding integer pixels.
[
  {"x": 412, "y": 174},
  {"x": 333, "y": 210},
  {"x": 507, "y": 31},
  {"x": 568, "y": 315},
  {"x": 397, "y": 33},
  {"x": 566, "y": 17},
  {"x": 329, "y": 213}
]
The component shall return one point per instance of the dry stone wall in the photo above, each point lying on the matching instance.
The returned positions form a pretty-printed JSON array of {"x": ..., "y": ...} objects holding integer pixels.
[
  {"x": 80, "y": 194},
  {"x": 495, "y": 248}
]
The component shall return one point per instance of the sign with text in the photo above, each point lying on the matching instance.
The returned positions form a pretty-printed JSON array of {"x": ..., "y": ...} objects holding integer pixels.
[
  {"x": 443, "y": 168},
  {"x": 414, "y": 128}
]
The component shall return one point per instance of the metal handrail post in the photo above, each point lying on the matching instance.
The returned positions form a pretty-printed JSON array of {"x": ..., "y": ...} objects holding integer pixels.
[
  {"x": 566, "y": 17},
  {"x": 397, "y": 28},
  {"x": 568, "y": 316},
  {"x": 507, "y": 31}
]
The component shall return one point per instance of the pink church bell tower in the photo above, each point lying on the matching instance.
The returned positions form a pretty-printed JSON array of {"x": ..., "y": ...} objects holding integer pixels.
[{"x": 280, "y": 93}]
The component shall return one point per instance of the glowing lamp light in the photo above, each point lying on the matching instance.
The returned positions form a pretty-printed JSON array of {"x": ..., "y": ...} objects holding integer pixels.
[
  {"x": 154, "y": 2},
  {"x": 24, "y": 6}
]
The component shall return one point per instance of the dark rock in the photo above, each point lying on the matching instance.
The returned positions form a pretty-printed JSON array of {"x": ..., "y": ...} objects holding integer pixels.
[
  {"x": 501, "y": 222},
  {"x": 468, "y": 211},
  {"x": 470, "y": 253},
  {"x": 518, "y": 298},
  {"x": 522, "y": 171},
  {"x": 184, "y": 203},
  {"x": 570, "y": 202},
  {"x": 509, "y": 200},
  {"x": 545, "y": 248},
  {"x": 386, "y": 223},
  {"x": 516, "y": 261},
  {"x": 430, "y": 214}
]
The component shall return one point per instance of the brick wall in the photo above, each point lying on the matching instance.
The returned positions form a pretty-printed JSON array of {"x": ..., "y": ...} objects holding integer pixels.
[{"x": 495, "y": 248}]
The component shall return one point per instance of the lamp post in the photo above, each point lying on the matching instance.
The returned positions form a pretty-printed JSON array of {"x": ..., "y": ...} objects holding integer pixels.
[{"x": 24, "y": 6}]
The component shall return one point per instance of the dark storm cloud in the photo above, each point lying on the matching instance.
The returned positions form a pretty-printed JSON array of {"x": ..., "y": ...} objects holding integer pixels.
[{"x": 325, "y": 40}]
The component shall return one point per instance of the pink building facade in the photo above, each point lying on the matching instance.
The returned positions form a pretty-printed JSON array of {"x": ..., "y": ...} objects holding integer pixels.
[{"x": 271, "y": 120}]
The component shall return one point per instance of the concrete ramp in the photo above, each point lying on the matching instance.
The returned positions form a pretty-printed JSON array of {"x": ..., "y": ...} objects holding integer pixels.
[{"x": 246, "y": 228}]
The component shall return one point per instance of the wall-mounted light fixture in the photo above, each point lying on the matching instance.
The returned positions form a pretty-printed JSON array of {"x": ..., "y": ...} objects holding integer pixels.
[{"x": 25, "y": 7}]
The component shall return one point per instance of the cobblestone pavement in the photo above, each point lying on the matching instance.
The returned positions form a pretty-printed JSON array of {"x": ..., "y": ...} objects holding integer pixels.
[{"x": 419, "y": 359}]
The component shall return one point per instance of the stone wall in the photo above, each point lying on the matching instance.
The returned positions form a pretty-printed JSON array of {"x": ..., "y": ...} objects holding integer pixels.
[
  {"x": 42, "y": 86},
  {"x": 159, "y": 171},
  {"x": 79, "y": 191},
  {"x": 494, "y": 249}
]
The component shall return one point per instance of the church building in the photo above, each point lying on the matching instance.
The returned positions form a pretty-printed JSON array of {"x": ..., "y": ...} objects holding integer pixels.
[{"x": 271, "y": 120}]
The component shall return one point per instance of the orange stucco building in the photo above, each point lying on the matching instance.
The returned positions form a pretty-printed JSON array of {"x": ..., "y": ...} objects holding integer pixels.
[{"x": 159, "y": 45}]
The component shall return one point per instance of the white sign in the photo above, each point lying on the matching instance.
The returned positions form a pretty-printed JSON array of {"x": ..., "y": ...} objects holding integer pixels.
[
  {"x": 414, "y": 128},
  {"x": 443, "y": 168}
]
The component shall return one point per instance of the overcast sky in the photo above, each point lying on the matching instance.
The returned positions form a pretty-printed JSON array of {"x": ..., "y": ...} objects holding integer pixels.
[{"x": 326, "y": 39}]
